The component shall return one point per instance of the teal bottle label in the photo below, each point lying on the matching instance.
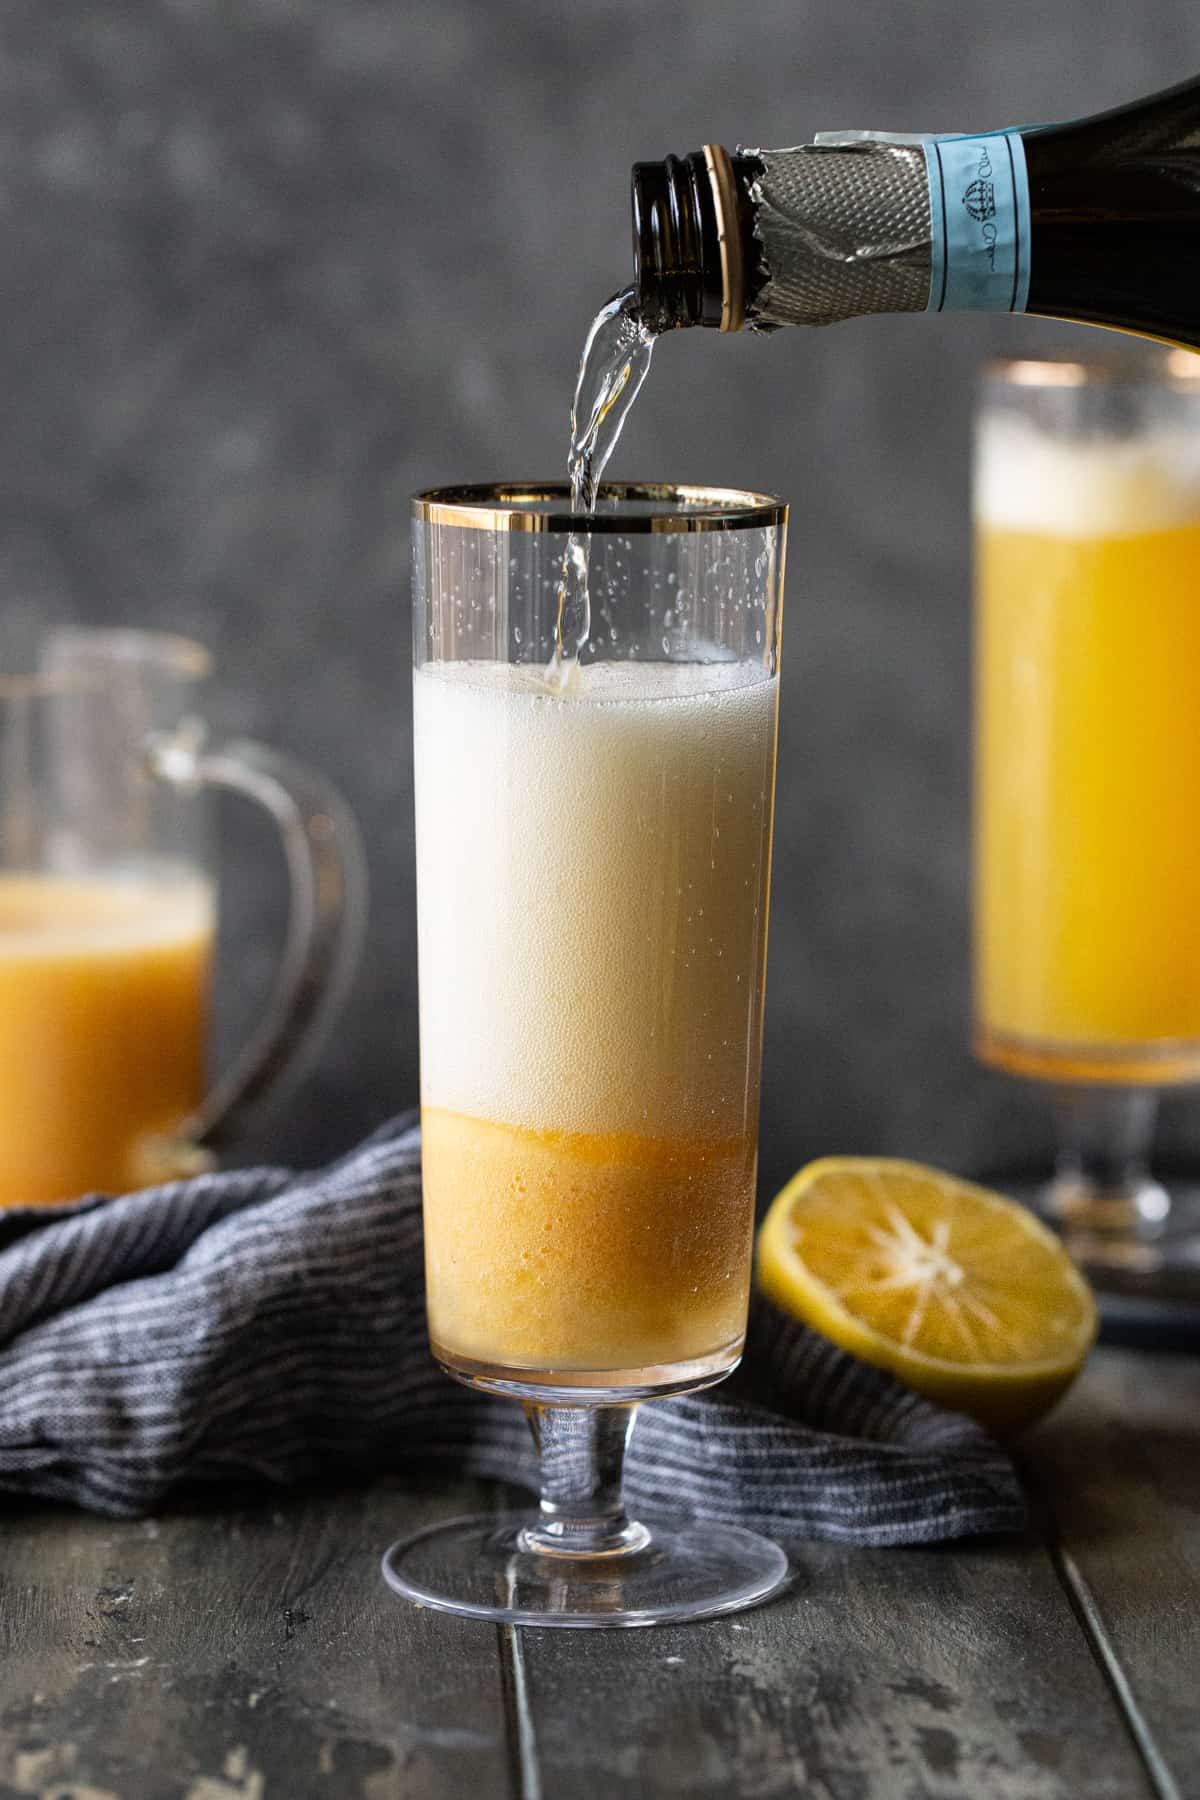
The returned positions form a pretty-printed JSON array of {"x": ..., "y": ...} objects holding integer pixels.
[{"x": 979, "y": 223}]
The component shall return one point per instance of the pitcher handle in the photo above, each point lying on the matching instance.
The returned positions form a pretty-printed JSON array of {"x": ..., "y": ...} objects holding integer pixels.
[{"x": 327, "y": 913}]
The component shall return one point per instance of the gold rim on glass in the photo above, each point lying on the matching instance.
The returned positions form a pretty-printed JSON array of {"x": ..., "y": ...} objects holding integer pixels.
[
  {"x": 1118, "y": 366},
  {"x": 510, "y": 506}
]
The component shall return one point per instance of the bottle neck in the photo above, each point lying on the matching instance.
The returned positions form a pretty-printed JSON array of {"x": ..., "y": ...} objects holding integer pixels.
[
  {"x": 802, "y": 236},
  {"x": 695, "y": 258}
]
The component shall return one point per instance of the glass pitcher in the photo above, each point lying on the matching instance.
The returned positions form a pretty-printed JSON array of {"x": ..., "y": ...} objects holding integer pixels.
[{"x": 108, "y": 912}]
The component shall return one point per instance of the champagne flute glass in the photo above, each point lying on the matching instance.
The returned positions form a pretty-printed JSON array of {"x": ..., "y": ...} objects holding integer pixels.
[
  {"x": 1087, "y": 873},
  {"x": 593, "y": 851}
]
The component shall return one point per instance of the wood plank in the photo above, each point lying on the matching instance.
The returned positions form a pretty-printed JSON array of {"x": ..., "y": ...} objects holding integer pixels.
[
  {"x": 249, "y": 1651},
  {"x": 1119, "y": 1467},
  {"x": 958, "y": 1671},
  {"x": 243, "y": 1652}
]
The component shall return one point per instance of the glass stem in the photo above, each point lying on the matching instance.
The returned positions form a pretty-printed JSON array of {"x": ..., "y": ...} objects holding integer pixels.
[
  {"x": 1102, "y": 1180},
  {"x": 582, "y": 1452}
]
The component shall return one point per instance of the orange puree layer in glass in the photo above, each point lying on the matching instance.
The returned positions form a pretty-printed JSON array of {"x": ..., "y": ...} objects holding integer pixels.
[{"x": 571, "y": 1251}]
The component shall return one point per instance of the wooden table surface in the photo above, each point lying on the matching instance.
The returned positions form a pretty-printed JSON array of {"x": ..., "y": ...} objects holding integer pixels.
[{"x": 251, "y": 1651}]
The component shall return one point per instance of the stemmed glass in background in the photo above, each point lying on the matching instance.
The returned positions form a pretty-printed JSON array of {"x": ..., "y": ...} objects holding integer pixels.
[
  {"x": 1087, "y": 877},
  {"x": 593, "y": 854}
]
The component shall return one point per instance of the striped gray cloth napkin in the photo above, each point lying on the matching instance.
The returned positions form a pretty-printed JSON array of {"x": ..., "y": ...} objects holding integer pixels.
[{"x": 270, "y": 1326}]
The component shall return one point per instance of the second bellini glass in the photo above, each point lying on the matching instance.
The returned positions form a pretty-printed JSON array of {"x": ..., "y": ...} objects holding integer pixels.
[
  {"x": 1087, "y": 885},
  {"x": 593, "y": 853}
]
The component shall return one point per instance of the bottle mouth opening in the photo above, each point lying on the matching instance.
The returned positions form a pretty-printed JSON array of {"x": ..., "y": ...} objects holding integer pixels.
[{"x": 677, "y": 265}]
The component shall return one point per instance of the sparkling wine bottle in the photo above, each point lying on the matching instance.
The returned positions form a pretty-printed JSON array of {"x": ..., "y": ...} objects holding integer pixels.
[{"x": 1097, "y": 220}]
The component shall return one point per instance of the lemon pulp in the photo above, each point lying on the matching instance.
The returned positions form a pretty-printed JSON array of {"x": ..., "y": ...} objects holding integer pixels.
[{"x": 962, "y": 1294}]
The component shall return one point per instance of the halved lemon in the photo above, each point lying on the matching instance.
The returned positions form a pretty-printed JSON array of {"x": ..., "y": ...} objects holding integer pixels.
[{"x": 962, "y": 1294}]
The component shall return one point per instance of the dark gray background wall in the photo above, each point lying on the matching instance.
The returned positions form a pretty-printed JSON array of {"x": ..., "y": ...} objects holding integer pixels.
[{"x": 266, "y": 267}]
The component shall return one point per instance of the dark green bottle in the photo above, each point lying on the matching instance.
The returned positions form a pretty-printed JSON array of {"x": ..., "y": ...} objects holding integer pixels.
[{"x": 1097, "y": 220}]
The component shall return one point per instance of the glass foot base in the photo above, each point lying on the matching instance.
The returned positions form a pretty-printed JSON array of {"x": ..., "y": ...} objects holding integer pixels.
[
  {"x": 1124, "y": 1229},
  {"x": 480, "y": 1568},
  {"x": 1120, "y": 1243}
]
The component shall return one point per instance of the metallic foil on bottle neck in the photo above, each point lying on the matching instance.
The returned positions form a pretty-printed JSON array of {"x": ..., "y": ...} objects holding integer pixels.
[{"x": 843, "y": 229}]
